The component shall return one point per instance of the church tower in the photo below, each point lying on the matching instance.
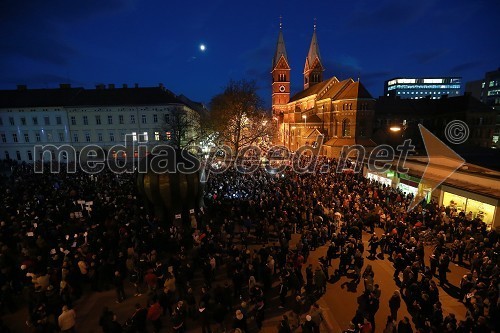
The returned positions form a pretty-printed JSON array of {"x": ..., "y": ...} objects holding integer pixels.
[
  {"x": 281, "y": 76},
  {"x": 313, "y": 69}
]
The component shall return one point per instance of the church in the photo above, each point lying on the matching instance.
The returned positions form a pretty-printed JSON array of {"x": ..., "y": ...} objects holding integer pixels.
[{"x": 341, "y": 111}]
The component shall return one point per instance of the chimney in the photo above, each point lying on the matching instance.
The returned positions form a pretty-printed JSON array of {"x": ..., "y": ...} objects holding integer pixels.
[
  {"x": 100, "y": 86},
  {"x": 22, "y": 87},
  {"x": 111, "y": 86},
  {"x": 124, "y": 86},
  {"x": 136, "y": 85}
]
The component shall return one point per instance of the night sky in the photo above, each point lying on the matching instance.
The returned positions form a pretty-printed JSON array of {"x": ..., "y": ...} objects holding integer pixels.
[{"x": 86, "y": 42}]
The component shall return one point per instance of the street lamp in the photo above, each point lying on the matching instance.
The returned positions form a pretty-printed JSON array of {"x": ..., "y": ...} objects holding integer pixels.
[{"x": 395, "y": 128}]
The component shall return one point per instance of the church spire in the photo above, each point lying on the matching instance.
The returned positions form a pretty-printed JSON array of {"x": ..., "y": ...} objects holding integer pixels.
[
  {"x": 280, "y": 47},
  {"x": 313, "y": 68}
]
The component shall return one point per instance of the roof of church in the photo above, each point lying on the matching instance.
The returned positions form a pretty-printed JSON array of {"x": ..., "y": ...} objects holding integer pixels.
[
  {"x": 346, "y": 89},
  {"x": 355, "y": 90},
  {"x": 280, "y": 49},
  {"x": 310, "y": 91}
]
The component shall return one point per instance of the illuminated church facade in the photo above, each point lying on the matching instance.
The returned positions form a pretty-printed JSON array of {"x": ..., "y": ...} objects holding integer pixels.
[{"x": 341, "y": 111}]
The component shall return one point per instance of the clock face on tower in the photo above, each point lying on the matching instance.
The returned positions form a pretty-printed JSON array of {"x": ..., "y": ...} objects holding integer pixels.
[{"x": 282, "y": 88}]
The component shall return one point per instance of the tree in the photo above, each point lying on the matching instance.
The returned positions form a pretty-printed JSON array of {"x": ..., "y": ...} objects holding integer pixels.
[
  {"x": 237, "y": 115},
  {"x": 181, "y": 127}
]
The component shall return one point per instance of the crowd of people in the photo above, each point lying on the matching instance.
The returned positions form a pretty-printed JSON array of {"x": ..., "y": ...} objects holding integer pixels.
[{"x": 67, "y": 234}]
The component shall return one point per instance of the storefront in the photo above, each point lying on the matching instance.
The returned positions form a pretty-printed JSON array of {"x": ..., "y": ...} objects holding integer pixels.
[
  {"x": 479, "y": 206},
  {"x": 384, "y": 178},
  {"x": 408, "y": 184}
]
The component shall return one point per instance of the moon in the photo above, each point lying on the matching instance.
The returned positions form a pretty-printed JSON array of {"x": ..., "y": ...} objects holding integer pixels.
[{"x": 202, "y": 47}]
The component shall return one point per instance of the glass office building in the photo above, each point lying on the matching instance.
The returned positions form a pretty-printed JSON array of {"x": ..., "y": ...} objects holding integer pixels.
[{"x": 416, "y": 88}]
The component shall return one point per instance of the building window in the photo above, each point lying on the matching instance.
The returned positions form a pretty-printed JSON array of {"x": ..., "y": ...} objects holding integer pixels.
[
  {"x": 134, "y": 136},
  {"x": 73, "y": 120},
  {"x": 155, "y": 118},
  {"x": 85, "y": 120},
  {"x": 120, "y": 119},
  {"x": 87, "y": 136},
  {"x": 1, "y": 121},
  {"x": 157, "y": 136},
  {"x": 111, "y": 136},
  {"x": 167, "y": 118},
  {"x": 30, "y": 156},
  {"x": 4, "y": 138},
  {"x": 346, "y": 130},
  {"x": 168, "y": 135},
  {"x": 99, "y": 137},
  {"x": 26, "y": 137},
  {"x": 11, "y": 120},
  {"x": 75, "y": 137},
  {"x": 14, "y": 137},
  {"x": 18, "y": 155},
  {"x": 110, "y": 120},
  {"x": 145, "y": 137},
  {"x": 58, "y": 120},
  {"x": 132, "y": 119},
  {"x": 37, "y": 137},
  {"x": 144, "y": 119},
  {"x": 46, "y": 120},
  {"x": 98, "y": 120},
  {"x": 7, "y": 156},
  {"x": 61, "y": 137},
  {"x": 23, "y": 121}
]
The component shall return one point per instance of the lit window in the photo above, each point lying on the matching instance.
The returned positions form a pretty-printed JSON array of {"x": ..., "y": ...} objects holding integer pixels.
[
  {"x": 145, "y": 137},
  {"x": 134, "y": 136},
  {"x": 157, "y": 136},
  {"x": 168, "y": 135}
]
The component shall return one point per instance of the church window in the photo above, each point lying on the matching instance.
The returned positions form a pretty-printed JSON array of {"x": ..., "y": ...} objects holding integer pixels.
[{"x": 346, "y": 128}]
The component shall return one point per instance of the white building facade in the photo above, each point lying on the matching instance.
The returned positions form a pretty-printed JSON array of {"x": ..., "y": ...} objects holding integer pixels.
[{"x": 63, "y": 121}]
